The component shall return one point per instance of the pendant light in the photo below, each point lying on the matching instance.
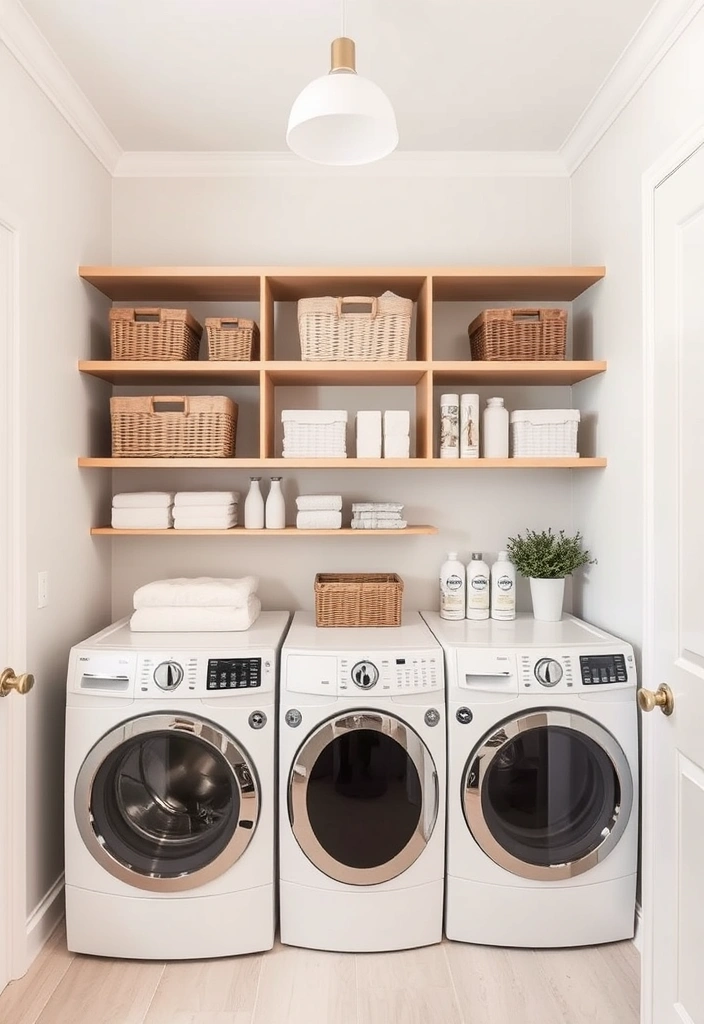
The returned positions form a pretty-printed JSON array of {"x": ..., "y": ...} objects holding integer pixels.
[{"x": 342, "y": 119}]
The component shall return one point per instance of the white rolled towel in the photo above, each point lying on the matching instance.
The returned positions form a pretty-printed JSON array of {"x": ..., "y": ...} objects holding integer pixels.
[
  {"x": 142, "y": 519},
  {"x": 319, "y": 520},
  {"x": 143, "y": 499},
  {"x": 196, "y": 620},
  {"x": 319, "y": 503},
  {"x": 201, "y": 592},
  {"x": 200, "y": 498}
]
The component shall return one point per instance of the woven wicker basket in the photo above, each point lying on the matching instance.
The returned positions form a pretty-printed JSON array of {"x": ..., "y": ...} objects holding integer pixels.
[
  {"x": 331, "y": 332},
  {"x": 358, "y": 599},
  {"x": 544, "y": 433},
  {"x": 154, "y": 334},
  {"x": 232, "y": 338},
  {"x": 205, "y": 427},
  {"x": 519, "y": 334}
]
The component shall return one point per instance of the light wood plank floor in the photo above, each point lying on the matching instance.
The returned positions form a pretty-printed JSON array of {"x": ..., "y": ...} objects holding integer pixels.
[{"x": 447, "y": 984}]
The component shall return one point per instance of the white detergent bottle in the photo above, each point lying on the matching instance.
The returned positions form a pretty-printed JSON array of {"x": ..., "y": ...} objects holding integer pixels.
[
  {"x": 275, "y": 508},
  {"x": 477, "y": 587},
  {"x": 503, "y": 588},
  {"x": 452, "y": 588},
  {"x": 495, "y": 430}
]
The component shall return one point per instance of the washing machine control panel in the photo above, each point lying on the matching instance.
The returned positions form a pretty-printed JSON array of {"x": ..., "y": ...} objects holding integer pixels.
[
  {"x": 365, "y": 675},
  {"x": 204, "y": 676},
  {"x": 568, "y": 671},
  {"x": 168, "y": 675},
  {"x": 379, "y": 673}
]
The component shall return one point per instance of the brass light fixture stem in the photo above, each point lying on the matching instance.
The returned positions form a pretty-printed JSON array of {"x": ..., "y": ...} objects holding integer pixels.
[{"x": 342, "y": 56}]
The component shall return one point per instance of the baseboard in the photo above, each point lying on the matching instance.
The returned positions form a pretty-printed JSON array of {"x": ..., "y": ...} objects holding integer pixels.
[
  {"x": 638, "y": 937},
  {"x": 44, "y": 918}
]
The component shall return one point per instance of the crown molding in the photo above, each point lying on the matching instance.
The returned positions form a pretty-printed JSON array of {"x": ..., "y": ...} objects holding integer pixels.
[
  {"x": 403, "y": 163},
  {"x": 661, "y": 28},
  {"x": 29, "y": 47}
]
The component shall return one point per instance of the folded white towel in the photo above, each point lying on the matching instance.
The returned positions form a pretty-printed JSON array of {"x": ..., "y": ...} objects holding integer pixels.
[
  {"x": 397, "y": 447},
  {"x": 204, "y": 511},
  {"x": 200, "y": 592},
  {"x": 143, "y": 499},
  {"x": 319, "y": 520},
  {"x": 199, "y": 498},
  {"x": 379, "y": 524},
  {"x": 377, "y": 506},
  {"x": 196, "y": 620},
  {"x": 319, "y": 502},
  {"x": 142, "y": 519},
  {"x": 377, "y": 514},
  {"x": 369, "y": 435},
  {"x": 206, "y": 523},
  {"x": 332, "y": 454},
  {"x": 397, "y": 421}
]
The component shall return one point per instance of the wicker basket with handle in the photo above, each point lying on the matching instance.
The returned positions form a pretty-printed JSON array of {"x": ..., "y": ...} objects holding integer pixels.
[
  {"x": 358, "y": 599},
  {"x": 204, "y": 427},
  {"x": 232, "y": 337},
  {"x": 330, "y": 330},
  {"x": 519, "y": 334},
  {"x": 153, "y": 333}
]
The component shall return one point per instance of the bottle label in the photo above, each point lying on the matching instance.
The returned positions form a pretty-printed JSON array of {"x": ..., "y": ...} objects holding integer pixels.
[
  {"x": 478, "y": 592},
  {"x": 479, "y": 583},
  {"x": 453, "y": 583},
  {"x": 504, "y": 583},
  {"x": 452, "y": 595}
]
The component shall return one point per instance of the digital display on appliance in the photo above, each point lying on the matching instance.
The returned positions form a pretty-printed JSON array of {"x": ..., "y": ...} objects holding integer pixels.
[
  {"x": 599, "y": 669},
  {"x": 400, "y": 661},
  {"x": 234, "y": 673}
]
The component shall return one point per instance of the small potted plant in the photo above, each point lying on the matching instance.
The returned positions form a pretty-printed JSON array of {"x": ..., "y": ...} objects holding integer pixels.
[{"x": 546, "y": 559}]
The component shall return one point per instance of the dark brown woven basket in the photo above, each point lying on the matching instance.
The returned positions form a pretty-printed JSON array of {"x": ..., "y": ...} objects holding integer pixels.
[
  {"x": 358, "y": 599},
  {"x": 154, "y": 333},
  {"x": 232, "y": 338},
  {"x": 205, "y": 427},
  {"x": 519, "y": 334}
]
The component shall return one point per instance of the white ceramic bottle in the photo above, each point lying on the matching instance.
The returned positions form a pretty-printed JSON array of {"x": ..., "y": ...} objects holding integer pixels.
[
  {"x": 469, "y": 427},
  {"x": 452, "y": 588},
  {"x": 275, "y": 510},
  {"x": 503, "y": 588},
  {"x": 254, "y": 506},
  {"x": 477, "y": 587},
  {"x": 495, "y": 429}
]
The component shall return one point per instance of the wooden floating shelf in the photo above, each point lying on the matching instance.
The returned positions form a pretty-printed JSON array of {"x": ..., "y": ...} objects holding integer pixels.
[
  {"x": 289, "y": 531},
  {"x": 279, "y": 464},
  {"x": 248, "y": 284},
  {"x": 295, "y": 373}
]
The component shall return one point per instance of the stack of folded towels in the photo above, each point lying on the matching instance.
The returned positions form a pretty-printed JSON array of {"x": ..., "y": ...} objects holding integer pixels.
[
  {"x": 397, "y": 434},
  {"x": 142, "y": 510},
  {"x": 205, "y": 510},
  {"x": 378, "y": 515},
  {"x": 203, "y": 605},
  {"x": 319, "y": 512}
]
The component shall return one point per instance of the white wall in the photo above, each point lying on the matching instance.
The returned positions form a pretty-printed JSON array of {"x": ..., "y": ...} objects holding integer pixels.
[
  {"x": 349, "y": 219},
  {"x": 58, "y": 197},
  {"x": 606, "y": 206}
]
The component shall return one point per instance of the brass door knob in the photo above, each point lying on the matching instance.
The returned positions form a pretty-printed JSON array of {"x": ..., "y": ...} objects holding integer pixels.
[
  {"x": 21, "y": 684},
  {"x": 663, "y": 698}
]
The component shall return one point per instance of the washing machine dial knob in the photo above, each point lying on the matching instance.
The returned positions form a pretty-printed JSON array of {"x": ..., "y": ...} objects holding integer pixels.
[
  {"x": 548, "y": 672},
  {"x": 168, "y": 675},
  {"x": 365, "y": 675}
]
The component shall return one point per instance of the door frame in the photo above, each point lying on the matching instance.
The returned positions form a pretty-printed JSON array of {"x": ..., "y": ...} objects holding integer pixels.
[
  {"x": 13, "y": 552},
  {"x": 655, "y": 175}
]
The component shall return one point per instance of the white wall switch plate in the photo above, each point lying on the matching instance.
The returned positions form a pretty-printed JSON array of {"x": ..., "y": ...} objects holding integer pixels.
[{"x": 42, "y": 589}]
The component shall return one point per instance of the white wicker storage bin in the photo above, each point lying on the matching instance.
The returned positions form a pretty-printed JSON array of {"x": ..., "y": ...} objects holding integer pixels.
[
  {"x": 315, "y": 433},
  {"x": 544, "y": 433},
  {"x": 331, "y": 330}
]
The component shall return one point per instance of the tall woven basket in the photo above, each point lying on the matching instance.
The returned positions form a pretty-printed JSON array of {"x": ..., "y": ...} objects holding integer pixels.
[
  {"x": 154, "y": 333},
  {"x": 201, "y": 426},
  {"x": 519, "y": 334},
  {"x": 231, "y": 338},
  {"x": 355, "y": 328},
  {"x": 358, "y": 599}
]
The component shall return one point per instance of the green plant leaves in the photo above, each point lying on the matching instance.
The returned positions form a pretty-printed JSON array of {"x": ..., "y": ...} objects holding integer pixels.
[{"x": 546, "y": 555}]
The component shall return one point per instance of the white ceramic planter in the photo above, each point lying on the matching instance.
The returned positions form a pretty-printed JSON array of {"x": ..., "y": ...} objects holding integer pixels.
[{"x": 547, "y": 596}]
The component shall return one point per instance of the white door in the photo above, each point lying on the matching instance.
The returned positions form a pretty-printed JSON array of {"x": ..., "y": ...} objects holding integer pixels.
[
  {"x": 12, "y": 620},
  {"x": 673, "y": 844}
]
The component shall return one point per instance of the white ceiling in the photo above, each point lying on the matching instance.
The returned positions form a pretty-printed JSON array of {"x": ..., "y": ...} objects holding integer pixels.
[{"x": 215, "y": 75}]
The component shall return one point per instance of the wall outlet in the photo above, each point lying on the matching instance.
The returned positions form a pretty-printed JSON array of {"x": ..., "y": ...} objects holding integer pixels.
[{"x": 42, "y": 589}]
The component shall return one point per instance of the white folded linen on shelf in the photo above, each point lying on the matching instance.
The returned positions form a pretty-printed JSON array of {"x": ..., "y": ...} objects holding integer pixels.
[
  {"x": 143, "y": 499},
  {"x": 369, "y": 435},
  {"x": 306, "y": 453},
  {"x": 327, "y": 520},
  {"x": 313, "y": 415},
  {"x": 377, "y": 506},
  {"x": 397, "y": 422},
  {"x": 142, "y": 519},
  {"x": 203, "y": 511},
  {"x": 206, "y": 522},
  {"x": 199, "y": 498},
  {"x": 379, "y": 524},
  {"x": 377, "y": 514},
  {"x": 397, "y": 446},
  {"x": 197, "y": 592},
  {"x": 196, "y": 620},
  {"x": 319, "y": 503}
]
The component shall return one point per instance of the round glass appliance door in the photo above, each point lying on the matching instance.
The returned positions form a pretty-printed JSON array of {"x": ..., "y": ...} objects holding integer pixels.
[
  {"x": 167, "y": 802},
  {"x": 363, "y": 797},
  {"x": 547, "y": 795}
]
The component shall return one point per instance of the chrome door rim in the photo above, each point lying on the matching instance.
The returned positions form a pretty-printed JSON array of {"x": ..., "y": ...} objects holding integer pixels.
[
  {"x": 299, "y": 776},
  {"x": 491, "y": 746},
  {"x": 217, "y": 739}
]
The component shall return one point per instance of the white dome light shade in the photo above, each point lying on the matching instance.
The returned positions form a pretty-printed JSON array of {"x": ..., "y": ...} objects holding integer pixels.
[{"x": 342, "y": 120}]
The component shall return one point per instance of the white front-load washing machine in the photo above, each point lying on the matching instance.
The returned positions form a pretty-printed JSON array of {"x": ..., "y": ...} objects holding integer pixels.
[
  {"x": 362, "y": 748},
  {"x": 169, "y": 791},
  {"x": 542, "y": 782}
]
